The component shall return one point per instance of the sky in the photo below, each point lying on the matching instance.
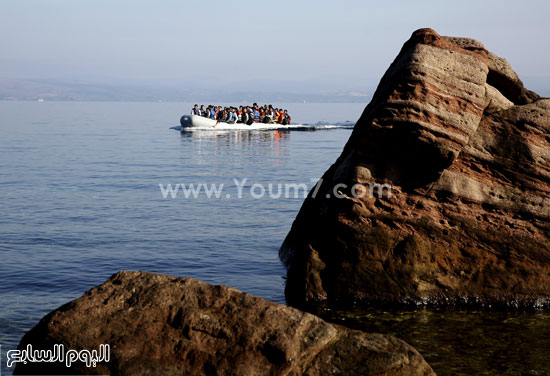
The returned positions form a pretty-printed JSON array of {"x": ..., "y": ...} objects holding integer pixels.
[{"x": 335, "y": 45}]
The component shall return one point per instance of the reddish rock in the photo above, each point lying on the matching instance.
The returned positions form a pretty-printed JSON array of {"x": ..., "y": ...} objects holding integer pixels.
[
  {"x": 161, "y": 325},
  {"x": 466, "y": 151}
]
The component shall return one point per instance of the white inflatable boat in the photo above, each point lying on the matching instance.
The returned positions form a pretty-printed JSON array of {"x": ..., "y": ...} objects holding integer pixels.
[{"x": 199, "y": 122}]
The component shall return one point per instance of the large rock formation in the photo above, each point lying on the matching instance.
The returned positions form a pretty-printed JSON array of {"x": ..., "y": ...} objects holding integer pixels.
[
  {"x": 466, "y": 151},
  {"x": 161, "y": 325}
]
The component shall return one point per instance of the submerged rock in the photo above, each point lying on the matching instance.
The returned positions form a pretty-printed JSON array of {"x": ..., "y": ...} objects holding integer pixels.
[
  {"x": 161, "y": 325},
  {"x": 454, "y": 155}
]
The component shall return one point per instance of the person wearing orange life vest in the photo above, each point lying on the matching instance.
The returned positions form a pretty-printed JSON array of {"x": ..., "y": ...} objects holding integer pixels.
[{"x": 277, "y": 116}]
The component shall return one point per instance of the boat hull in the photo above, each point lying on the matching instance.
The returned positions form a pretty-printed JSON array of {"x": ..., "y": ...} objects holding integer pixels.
[{"x": 194, "y": 121}]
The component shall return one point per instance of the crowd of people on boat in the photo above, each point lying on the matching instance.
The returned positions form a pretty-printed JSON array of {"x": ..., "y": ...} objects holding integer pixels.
[{"x": 244, "y": 114}]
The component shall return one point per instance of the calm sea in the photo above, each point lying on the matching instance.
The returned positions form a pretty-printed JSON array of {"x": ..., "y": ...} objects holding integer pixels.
[{"x": 80, "y": 200}]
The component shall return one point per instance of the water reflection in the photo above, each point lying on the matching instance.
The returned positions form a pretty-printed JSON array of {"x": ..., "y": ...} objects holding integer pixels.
[
  {"x": 237, "y": 136},
  {"x": 273, "y": 143}
]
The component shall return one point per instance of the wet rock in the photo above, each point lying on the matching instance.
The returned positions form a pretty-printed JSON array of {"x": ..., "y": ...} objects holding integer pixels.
[{"x": 161, "y": 325}]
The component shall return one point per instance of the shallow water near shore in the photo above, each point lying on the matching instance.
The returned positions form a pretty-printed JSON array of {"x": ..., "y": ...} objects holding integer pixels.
[
  {"x": 463, "y": 342},
  {"x": 80, "y": 200}
]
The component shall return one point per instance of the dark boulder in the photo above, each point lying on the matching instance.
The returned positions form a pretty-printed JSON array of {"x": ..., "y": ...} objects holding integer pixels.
[
  {"x": 464, "y": 151},
  {"x": 161, "y": 325}
]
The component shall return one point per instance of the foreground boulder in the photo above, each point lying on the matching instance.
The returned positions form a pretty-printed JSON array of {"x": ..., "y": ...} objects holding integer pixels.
[
  {"x": 161, "y": 325},
  {"x": 454, "y": 157}
]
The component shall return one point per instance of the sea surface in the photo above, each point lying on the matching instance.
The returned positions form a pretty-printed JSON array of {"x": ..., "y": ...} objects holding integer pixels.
[{"x": 81, "y": 198}]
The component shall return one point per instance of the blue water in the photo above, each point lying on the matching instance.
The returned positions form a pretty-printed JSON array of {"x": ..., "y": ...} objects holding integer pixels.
[{"x": 80, "y": 200}]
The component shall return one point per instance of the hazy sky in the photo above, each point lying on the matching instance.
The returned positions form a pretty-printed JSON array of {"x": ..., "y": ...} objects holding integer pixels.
[{"x": 336, "y": 43}]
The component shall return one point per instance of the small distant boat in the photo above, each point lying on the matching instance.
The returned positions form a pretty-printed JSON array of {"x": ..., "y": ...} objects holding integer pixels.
[
  {"x": 195, "y": 121},
  {"x": 40, "y": 100}
]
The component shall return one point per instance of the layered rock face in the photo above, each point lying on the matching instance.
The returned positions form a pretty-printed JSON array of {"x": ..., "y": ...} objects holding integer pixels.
[
  {"x": 465, "y": 150},
  {"x": 161, "y": 325}
]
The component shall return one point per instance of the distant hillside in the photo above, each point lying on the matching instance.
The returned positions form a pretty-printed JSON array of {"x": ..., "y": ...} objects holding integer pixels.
[
  {"x": 34, "y": 89},
  {"x": 26, "y": 89}
]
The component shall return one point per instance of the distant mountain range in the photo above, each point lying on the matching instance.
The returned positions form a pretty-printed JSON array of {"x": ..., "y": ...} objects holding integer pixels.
[{"x": 51, "y": 90}]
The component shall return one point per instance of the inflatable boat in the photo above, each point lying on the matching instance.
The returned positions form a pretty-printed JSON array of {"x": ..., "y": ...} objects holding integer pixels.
[{"x": 189, "y": 122}]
